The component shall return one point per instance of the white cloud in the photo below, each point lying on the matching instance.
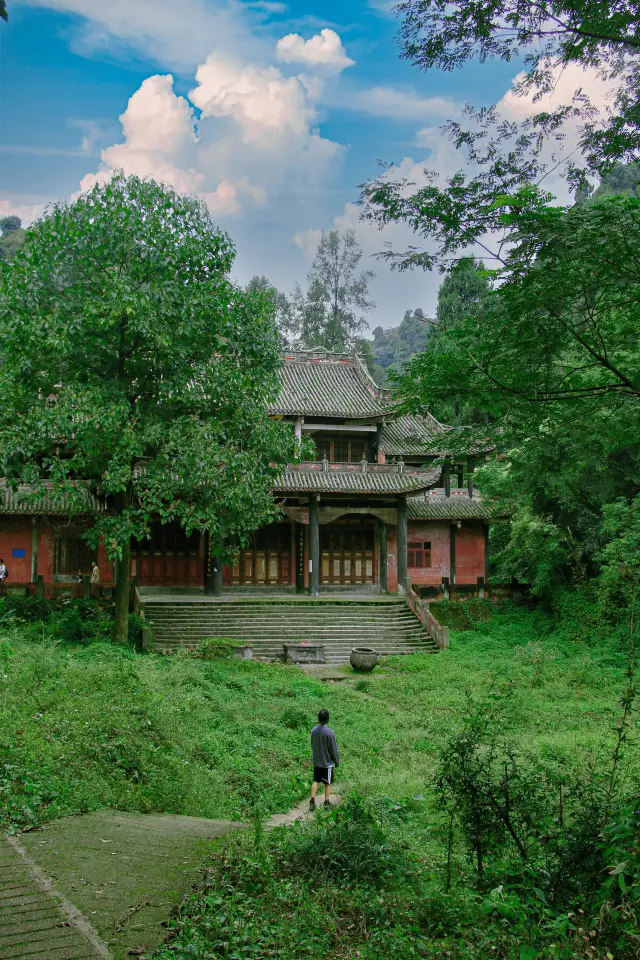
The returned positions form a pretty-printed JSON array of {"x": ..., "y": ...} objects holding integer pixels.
[
  {"x": 28, "y": 212},
  {"x": 255, "y": 136},
  {"x": 401, "y": 104},
  {"x": 324, "y": 51},
  {"x": 178, "y": 35},
  {"x": 260, "y": 100}
]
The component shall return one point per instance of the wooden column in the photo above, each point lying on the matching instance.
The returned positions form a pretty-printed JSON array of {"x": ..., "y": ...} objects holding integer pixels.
[
  {"x": 208, "y": 566},
  {"x": 486, "y": 553},
  {"x": 35, "y": 529},
  {"x": 452, "y": 554},
  {"x": 299, "y": 556},
  {"x": 382, "y": 533},
  {"x": 460, "y": 470},
  {"x": 470, "y": 469},
  {"x": 446, "y": 476},
  {"x": 402, "y": 544},
  {"x": 314, "y": 546},
  {"x": 216, "y": 571}
]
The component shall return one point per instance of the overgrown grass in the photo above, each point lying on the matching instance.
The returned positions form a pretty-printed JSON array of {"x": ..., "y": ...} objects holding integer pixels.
[{"x": 89, "y": 725}]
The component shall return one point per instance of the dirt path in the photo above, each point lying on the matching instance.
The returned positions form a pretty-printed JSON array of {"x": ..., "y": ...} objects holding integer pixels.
[{"x": 103, "y": 885}]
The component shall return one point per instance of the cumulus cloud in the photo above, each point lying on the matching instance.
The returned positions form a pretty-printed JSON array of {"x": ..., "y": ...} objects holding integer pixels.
[
  {"x": 27, "y": 211},
  {"x": 260, "y": 100},
  {"x": 324, "y": 50},
  {"x": 254, "y": 135}
]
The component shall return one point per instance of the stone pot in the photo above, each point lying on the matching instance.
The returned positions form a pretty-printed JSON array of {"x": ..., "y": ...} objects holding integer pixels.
[{"x": 363, "y": 659}]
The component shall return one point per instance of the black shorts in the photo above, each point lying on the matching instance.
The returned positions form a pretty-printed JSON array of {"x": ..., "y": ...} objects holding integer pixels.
[{"x": 323, "y": 775}]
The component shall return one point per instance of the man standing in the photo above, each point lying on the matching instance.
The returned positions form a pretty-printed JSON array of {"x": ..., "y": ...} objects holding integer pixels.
[
  {"x": 4, "y": 573},
  {"x": 95, "y": 573},
  {"x": 325, "y": 757}
]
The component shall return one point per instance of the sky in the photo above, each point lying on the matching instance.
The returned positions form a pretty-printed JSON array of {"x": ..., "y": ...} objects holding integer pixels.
[{"x": 274, "y": 110}]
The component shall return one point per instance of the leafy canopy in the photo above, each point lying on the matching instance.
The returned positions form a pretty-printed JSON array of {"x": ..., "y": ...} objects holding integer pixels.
[
  {"x": 548, "y": 36},
  {"x": 133, "y": 363}
]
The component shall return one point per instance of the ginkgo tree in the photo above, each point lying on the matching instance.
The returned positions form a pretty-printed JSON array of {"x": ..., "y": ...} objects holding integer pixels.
[{"x": 133, "y": 365}]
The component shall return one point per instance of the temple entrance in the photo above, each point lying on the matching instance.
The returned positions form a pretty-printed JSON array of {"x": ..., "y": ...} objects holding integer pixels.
[
  {"x": 267, "y": 562},
  {"x": 347, "y": 552}
]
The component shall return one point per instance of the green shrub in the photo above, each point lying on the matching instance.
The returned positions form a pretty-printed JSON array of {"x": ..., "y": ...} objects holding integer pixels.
[
  {"x": 218, "y": 648},
  {"x": 348, "y": 844}
]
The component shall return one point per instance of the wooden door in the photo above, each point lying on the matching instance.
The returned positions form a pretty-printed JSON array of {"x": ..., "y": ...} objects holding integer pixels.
[
  {"x": 266, "y": 562},
  {"x": 347, "y": 553},
  {"x": 168, "y": 557}
]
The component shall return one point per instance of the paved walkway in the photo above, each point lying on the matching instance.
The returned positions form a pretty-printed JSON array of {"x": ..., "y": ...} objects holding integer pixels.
[{"x": 102, "y": 885}]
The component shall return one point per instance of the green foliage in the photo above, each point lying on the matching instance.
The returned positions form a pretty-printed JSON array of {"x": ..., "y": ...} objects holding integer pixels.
[
  {"x": 217, "y": 648},
  {"x": 392, "y": 347},
  {"x": 13, "y": 236},
  {"x": 331, "y": 314},
  {"x": 439, "y": 34},
  {"x": 160, "y": 367},
  {"x": 348, "y": 844}
]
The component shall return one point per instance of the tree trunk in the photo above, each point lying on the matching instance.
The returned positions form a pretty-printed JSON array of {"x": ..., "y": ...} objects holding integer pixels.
[{"x": 121, "y": 616}]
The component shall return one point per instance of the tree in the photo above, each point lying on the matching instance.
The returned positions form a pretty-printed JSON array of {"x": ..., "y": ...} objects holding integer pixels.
[
  {"x": 280, "y": 306},
  {"x": 132, "y": 364},
  {"x": 393, "y": 347},
  {"x": 9, "y": 224},
  {"x": 328, "y": 313},
  {"x": 3, "y": 10},
  {"x": 13, "y": 236},
  {"x": 548, "y": 36},
  {"x": 462, "y": 293}
]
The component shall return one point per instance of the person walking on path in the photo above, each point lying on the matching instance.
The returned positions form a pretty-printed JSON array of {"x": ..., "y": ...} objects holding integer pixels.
[{"x": 324, "y": 750}]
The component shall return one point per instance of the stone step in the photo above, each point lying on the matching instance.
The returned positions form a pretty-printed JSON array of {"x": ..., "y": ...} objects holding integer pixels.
[{"x": 389, "y": 627}]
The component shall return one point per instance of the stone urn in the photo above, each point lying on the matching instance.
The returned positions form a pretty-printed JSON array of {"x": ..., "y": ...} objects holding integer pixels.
[{"x": 363, "y": 659}]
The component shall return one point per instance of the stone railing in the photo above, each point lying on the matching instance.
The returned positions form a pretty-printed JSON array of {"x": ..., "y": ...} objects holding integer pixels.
[{"x": 421, "y": 609}]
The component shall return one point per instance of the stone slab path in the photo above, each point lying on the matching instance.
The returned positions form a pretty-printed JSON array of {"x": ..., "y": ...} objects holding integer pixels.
[
  {"x": 124, "y": 872},
  {"x": 104, "y": 884},
  {"x": 36, "y": 922}
]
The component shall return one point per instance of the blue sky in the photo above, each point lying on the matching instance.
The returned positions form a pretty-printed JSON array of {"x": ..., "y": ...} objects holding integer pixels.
[{"x": 275, "y": 113}]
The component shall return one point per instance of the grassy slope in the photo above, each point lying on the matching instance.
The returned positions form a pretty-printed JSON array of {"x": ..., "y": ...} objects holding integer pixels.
[{"x": 86, "y": 727}]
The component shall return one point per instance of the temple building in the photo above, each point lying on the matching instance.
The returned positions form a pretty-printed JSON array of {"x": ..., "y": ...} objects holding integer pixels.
[{"x": 373, "y": 506}]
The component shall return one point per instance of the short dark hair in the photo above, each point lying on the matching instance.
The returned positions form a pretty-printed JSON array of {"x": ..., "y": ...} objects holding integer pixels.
[{"x": 323, "y": 716}]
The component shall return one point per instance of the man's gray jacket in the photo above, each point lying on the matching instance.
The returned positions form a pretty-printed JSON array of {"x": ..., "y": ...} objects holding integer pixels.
[{"x": 324, "y": 747}]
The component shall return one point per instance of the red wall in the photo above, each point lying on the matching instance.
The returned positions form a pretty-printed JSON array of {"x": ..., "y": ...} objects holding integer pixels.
[
  {"x": 15, "y": 533},
  {"x": 469, "y": 553},
  {"x": 438, "y": 534}
]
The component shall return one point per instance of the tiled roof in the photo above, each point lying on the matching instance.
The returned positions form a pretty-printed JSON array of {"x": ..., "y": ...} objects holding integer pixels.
[
  {"x": 434, "y": 505},
  {"x": 412, "y": 436},
  {"x": 351, "y": 478},
  {"x": 321, "y": 384},
  {"x": 22, "y": 501}
]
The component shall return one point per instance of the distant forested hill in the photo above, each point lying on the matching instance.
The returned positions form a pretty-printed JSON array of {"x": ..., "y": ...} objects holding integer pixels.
[{"x": 394, "y": 346}]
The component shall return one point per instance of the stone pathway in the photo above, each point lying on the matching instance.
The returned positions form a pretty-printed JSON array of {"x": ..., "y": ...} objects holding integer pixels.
[
  {"x": 36, "y": 922},
  {"x": 103, "y": 885}
]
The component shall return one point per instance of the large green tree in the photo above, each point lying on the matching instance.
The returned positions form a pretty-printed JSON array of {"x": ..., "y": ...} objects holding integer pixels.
[
  {"x": 132, "y": 363},
  {"x": 552, "y": 362}
]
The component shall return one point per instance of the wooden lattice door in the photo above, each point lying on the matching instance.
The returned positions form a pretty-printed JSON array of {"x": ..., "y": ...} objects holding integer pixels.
[{"x": 347, "y": 553}]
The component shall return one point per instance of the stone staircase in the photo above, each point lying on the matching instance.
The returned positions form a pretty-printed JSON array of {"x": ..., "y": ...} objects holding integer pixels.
[{"x": 386, "y": 625}]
